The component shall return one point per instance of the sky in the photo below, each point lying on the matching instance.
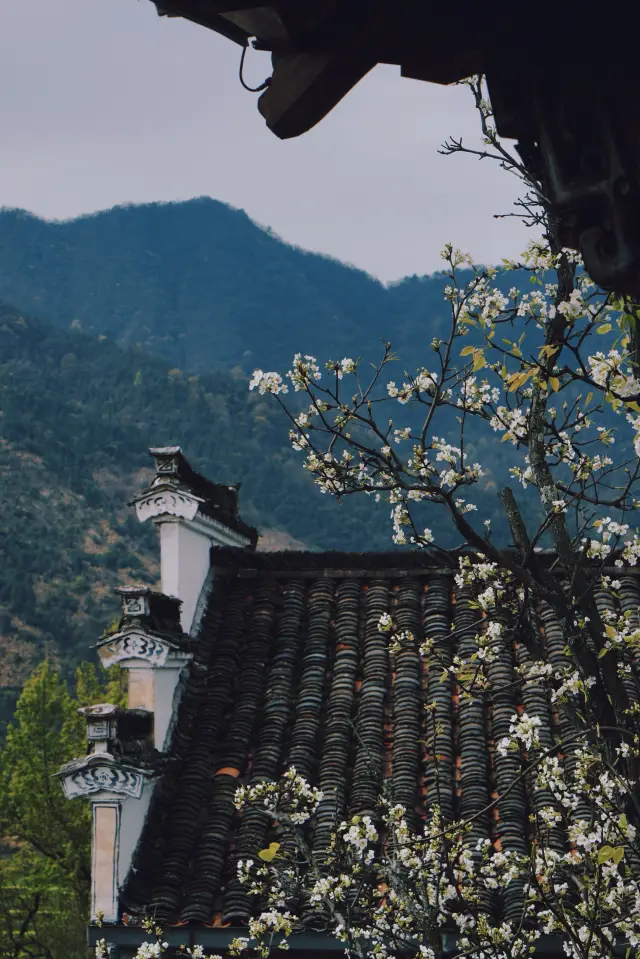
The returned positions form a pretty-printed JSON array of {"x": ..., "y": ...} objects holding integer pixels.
[{"x": 102, "y": 102}]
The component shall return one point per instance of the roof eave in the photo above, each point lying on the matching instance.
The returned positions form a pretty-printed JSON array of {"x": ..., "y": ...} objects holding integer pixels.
[
  {"x": 200, "y": 13},
  {"x": 220, "y": 937}
]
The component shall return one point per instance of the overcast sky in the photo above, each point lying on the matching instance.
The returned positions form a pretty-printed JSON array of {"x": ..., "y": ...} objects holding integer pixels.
[{"x": 103, "y": 102}]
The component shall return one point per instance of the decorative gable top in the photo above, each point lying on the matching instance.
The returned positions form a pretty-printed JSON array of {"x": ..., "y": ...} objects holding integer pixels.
[
  {"x": 290, "y": 668},
  {"x": 120, "y": 753},
  {"x": 146, "y": 606},
  {"x": 149, "y": 629},
  {"x": 177, "y": 489}
]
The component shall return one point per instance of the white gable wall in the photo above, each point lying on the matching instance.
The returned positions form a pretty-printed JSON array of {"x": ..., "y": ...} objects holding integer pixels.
[{"x": 184, "y": 564}]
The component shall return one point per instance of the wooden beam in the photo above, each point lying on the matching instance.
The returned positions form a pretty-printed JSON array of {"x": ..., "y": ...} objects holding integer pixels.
[
  {"x": 200, "y": 12},
  {"x": 306, "y": 86}
]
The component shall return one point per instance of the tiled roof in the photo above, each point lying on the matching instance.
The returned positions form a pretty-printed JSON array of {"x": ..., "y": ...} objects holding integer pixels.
[{"x": 290, "y": 668}]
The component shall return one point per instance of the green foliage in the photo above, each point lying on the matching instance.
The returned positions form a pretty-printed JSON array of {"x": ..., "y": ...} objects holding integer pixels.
[
  {"x": 100, "y": 687},
  {"x": 78, "y": 445},
  {"x": 202, "y": 285},
  {"x": 44, "y": 838}
]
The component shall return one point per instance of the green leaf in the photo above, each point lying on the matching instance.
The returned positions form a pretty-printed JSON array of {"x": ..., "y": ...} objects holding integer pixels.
[
  {"x": 548, "y": 350},
  {"x": 517, "y": 380},
  {"x": 604, "y": 328},
  {"x": 610, "y": 854},
  {"x": 270, "y": 853},
  {"x": 467, "y": 351},
  {"x": 605, "y": 853},
  {"x": 618, "y": 854},
  {"x": 478, "y": 360},
  {"x": 555, "y": 383}
]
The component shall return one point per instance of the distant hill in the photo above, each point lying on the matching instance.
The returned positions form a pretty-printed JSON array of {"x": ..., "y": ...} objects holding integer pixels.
[
  {"x": 202, "y": 285},
  {"x": 137, "y": 327},
  {"x": 76, "y": 418}
]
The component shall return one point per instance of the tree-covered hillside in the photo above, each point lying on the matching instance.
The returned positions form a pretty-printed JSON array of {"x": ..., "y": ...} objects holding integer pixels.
[
  {"x": 82, "y": 397},
  {"x": 200, "y": 284},
  {"x": 76, "y": 417}
]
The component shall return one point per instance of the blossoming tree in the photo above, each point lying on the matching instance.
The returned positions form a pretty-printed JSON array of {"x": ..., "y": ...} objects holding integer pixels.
[
  {"x": 552, "y": 371},
  {"x": 529, "y": 366}
]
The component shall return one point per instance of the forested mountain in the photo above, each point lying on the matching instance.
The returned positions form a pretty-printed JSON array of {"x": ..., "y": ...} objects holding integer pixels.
[
  {"x": 202, "y": 285},
  {"x": 76, "y": 418},
  {"x": 140, "y": 325}
]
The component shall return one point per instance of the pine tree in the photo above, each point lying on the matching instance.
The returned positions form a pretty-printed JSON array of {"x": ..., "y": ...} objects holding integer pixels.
[{"x": 44, "y": 838}]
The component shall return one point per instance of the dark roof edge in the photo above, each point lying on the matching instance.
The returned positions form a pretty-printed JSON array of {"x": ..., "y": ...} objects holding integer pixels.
[
  {"x": 396, "y": 562},
  {"x": 308, "y": 561},
  {"x": 220, "y": 937}
]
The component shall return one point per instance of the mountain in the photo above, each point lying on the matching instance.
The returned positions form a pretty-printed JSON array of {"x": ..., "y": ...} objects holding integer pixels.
[
  {"x": 202, "y": 285},
  {"x": 137, "y": 327},
  {"x": 76, "y": 417}
]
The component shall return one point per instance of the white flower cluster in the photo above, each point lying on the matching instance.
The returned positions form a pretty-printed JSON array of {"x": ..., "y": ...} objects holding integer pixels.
[
  {"x": 291, "y": 796},
  {"x": 342, "y": 367},
  {"x": 522, "y": 729},
  {"x": 571, "y": 685},
  {"x": 612, "y": 537},
  {"x": 304, "y": 372},
  {"x": 424, "y": 382},
  {"x": 382, "y": 886},
  {"x": 360, "y": 833},
  {"x": 573, "y": 308},
  {"x": 538, "y": 256},
  {"x": 611, "y": 371},
  {"x": 151, "y": 950},
  {"x": 267, "y": 383},
  {"x": 513, "y": 423},
  {"x": 475, "y": 396},
  {"x": 484, "y": 303}
]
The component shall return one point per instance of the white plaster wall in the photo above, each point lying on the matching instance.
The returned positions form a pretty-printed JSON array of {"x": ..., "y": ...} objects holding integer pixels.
[
  {"x": 184, "y": 564},
  {"x": 155, "y": 688},
  {"x": 104, "y": 860},
  {"x": 133, "y": 813},
  {"x": 166, "y": 684}
]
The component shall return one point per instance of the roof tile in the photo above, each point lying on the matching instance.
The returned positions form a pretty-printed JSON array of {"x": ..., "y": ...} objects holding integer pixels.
[{"x": 290, "y": 668}]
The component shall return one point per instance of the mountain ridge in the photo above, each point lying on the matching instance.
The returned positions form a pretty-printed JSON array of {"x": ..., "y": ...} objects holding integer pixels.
[
  {"x": 201, "y": 284},
  {"x": 136, "y": 327},
  {"x": 76, "y": 418}
]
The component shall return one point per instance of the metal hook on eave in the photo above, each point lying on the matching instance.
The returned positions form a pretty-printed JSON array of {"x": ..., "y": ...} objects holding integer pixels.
[{"x": 262, "y": 86}]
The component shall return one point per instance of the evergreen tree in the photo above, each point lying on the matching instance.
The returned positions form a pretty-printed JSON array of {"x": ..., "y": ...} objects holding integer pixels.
[{"x": 44, "y": 839}]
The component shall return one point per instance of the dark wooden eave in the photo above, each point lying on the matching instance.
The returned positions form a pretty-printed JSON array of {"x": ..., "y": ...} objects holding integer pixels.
[
  {"x": 202, "y": 13},
  {"x": 321, "y": 49},
  {"x": 576, "y": 125},
  {"x": 126, "y": 939}
]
